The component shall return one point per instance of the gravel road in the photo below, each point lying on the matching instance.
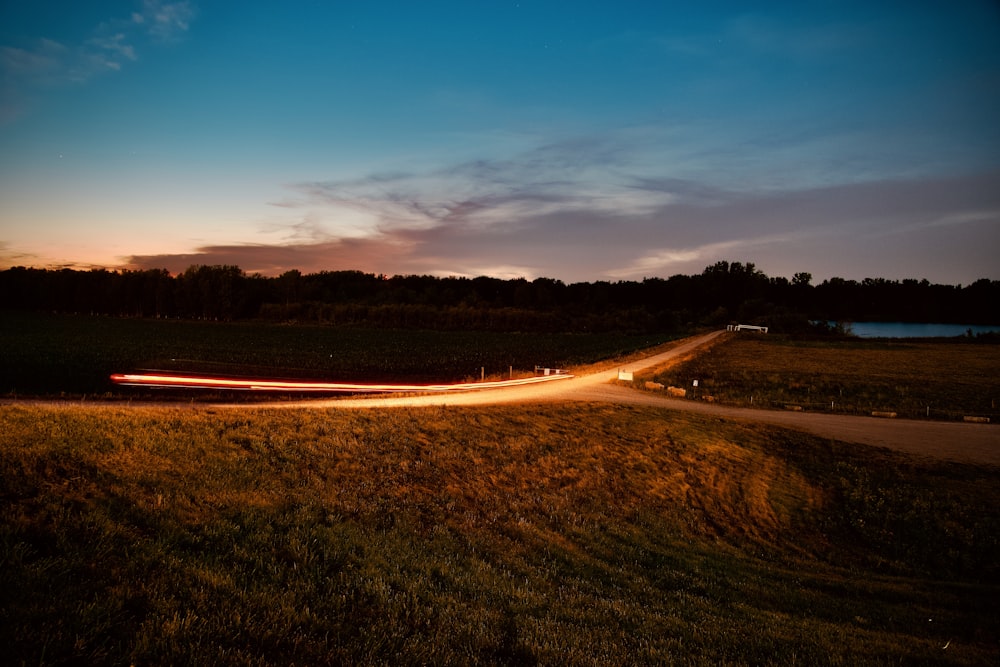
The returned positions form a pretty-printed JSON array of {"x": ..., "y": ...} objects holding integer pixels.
[{"x": 971, "y": 443}]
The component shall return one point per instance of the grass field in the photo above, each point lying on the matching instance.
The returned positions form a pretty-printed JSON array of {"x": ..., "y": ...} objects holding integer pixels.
[
  {"x": 557, "y": 534},
  {"x": 940, "y": 380},
  {"x": 46, "y": 355}
]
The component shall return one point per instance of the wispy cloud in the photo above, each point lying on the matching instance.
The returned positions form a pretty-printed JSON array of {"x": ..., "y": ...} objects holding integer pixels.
[
  {"x": 871, "y": 229},
  {"x": 354, "y": 254},
  {"x": 585, "y": 210},
  {"x": 113, "y": 47},
  {"x": 667, "y": 261},
  {"x": 764, "y": 34},
  {"x": 165, "y": 20},
  {"x": 27, "y": 70},
  {"x": 9, "y": 256},
  {"x": 579, "y": 175}
]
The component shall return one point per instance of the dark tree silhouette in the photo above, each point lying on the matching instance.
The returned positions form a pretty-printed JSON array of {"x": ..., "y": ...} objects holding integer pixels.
[{"x": 724, "y": 292}]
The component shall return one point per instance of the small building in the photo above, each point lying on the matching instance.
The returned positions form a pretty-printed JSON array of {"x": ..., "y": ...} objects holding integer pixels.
[{"x": 746, "y": 327}]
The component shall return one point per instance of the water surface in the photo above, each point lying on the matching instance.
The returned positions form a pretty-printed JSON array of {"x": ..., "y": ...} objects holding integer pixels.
[{"x": 916, "y": 329}]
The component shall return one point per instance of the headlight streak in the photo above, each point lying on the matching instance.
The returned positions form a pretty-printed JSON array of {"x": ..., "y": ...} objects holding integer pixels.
[{"x": 167, "y": 381}]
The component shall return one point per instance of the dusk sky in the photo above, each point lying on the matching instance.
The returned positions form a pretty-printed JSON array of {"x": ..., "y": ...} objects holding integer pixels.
[{"x": 579, "y": 140}]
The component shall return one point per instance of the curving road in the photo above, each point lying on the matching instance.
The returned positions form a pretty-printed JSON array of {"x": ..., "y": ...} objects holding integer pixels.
[{"x": 972, "y": 443}]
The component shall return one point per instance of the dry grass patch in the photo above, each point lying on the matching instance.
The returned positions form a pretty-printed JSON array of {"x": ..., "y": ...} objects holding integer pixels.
[{"x": 944, "y": 380}]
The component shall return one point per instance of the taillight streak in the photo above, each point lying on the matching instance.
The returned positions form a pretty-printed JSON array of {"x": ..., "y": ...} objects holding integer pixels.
[{"x": 168, "y": 381}]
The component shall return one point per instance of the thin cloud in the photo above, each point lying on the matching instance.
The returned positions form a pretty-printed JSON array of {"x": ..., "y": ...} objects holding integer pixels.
[
  {"x": 574, "y": 175},
  {"x": 957, "y": 219},
  {"x": 165, "y": 20},
  {"x": 44, "y": 62},
  {"x": 598, "y": 207},
  {"x": 667, "y": 260},
  {"x": 23, "y": 70},
  {"x": 45, "y": 56},
  {"x": 26, "y": 71},
  {"x": 848, "y": 226},
  {"x": 672, "y": 260},
  {"x": 347, "y": 254},
  {"x": 763, "y": 34},
  {"x": 114, "y": 45},
  {"x": 12, "y": 257},
  {"x": 815, "y": 230}
]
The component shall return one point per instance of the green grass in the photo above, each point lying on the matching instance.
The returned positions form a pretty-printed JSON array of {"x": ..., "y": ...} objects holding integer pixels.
[
  {"x": 74, "y": 355},
  {"x": 557, "y": 534},
  {"x": 940, "y": 380}
]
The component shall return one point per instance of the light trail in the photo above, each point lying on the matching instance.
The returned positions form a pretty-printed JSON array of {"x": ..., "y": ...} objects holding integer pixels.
[{"x": 169, "y": 381}]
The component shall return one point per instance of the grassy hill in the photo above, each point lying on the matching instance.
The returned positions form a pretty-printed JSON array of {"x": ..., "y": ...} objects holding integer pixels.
[{"x": 552, "y": 534}]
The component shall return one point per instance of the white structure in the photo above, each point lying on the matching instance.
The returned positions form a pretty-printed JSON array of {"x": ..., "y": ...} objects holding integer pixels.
[{"x": 746, "y": 327}]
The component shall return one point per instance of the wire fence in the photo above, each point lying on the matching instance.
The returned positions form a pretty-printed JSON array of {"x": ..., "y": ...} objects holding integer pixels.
[
  {"x": 931, "y": 412},
  {"x": 869, "y": 409}
]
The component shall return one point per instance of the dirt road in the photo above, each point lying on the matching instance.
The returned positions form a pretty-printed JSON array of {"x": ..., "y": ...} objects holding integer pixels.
[{"x": 973, "y": 443}]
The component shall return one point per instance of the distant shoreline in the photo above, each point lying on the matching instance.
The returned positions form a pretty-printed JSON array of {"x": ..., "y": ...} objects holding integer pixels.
[{"x": 917, "y": 329}]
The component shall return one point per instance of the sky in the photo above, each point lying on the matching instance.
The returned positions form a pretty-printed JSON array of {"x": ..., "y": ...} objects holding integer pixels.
[{"x": 580, "y": 141}]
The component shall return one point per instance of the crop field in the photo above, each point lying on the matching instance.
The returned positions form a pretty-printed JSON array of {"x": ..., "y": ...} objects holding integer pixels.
[
  {"x": 559, "y": 534},
  {"x": 45, "y": 355},
  {"x": 938, "y": 380}
]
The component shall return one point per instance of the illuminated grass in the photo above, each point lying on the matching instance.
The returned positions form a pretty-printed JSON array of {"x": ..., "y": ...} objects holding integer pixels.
[{"x": 511, "y": 535}]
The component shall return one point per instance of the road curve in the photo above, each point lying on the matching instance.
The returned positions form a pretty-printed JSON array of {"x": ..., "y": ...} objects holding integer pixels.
[
  {"x": 574, "y": 388},
  {"x": 969, "y": 443},
  {"x": 972, "y": 443}
]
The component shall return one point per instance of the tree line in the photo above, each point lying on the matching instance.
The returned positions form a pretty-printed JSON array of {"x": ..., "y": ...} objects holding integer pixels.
[{"x": 724, "y": 292}]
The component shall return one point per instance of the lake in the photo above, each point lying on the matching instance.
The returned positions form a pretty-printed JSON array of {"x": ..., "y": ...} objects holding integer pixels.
[{"x": 916, "y": 329}]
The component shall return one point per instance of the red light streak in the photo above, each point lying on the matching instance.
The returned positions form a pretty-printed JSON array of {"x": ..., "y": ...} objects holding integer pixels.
[{"x": 169, "y": 381}]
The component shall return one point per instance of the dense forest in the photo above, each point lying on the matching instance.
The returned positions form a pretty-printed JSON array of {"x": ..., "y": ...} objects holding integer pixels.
[{"x": 723, "y": 293}]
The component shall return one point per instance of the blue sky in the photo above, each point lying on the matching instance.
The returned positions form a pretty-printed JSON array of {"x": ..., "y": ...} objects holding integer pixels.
[{"x": 578, "y": 141}]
